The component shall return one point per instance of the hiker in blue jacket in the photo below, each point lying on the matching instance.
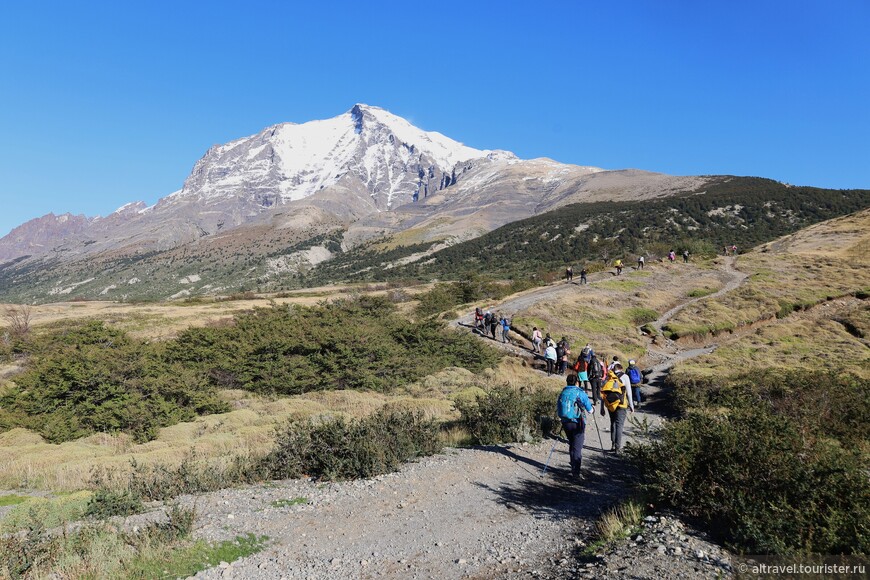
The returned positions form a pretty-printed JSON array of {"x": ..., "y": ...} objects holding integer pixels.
[
  {"x": 636, "y": 378},
  {"x": 572, "y": 402},
  {"x": 505, "y": 330}
]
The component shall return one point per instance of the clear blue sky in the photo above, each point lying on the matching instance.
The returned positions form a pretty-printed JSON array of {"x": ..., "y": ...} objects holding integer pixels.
[{"x": 102, "y": 103}]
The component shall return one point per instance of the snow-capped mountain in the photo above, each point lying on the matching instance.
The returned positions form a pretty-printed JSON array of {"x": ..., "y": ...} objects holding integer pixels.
[
  {"x": 394, "y": 161},
  {"x": 365, "y": 160}
]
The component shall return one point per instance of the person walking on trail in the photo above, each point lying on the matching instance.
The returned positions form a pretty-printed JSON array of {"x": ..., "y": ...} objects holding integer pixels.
[
  {"x": 582, "y": 369},
  {"x": 493, "y": 323},
  {"x": 685, "y": 256},
  {"x": 640, "y": 262},
  {"x": 536, "y": 340},
  {"x": 566, "y": 356},
  {"x": 672, "y": 256},
  {"x": 570, "y": 407},
  {"x": 478, "y": 319},
  {"x": 583, "y": 275},
  {"x": 550, "y": 358},
  {"x": 569, "y": 273},
  {"x": 618, "y": 264},
  {"x": 505, "y": 330},
  {"x": 733, "y": 250},
  {"x": 597, "y": 375},
  {"x": 560, "y": 355},
  {"x": 587, "y": 353},
  {"x": 635, "y": 377},
  {"x": 614, "y": 363},
  {"x": 616, "y": 398}
]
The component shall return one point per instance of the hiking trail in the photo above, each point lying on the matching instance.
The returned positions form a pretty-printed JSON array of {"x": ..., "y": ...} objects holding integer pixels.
[{"x": 482, "y": 512}]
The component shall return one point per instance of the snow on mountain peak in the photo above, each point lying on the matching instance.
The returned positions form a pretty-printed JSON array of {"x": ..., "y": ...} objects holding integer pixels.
[{"x": 394, "y": 160}]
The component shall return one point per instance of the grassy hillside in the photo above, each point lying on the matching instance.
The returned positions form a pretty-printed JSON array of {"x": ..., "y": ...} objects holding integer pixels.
[{"x": 744, "y": 211}]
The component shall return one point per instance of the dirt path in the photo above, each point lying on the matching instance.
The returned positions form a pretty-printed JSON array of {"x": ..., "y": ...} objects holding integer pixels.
[
  {"x": 468, "y": 513},
  {"x": 735, "y": 279}
]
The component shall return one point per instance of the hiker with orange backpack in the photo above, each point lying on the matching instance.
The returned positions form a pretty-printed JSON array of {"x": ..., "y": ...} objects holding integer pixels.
[{"x": 616, "y": 398}]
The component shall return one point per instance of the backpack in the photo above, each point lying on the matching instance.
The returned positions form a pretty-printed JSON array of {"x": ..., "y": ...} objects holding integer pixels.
[
  {"x": 566, "y": 407},
  {"x": 595, "y": 369},
  {"x": 586, "y": 353},
  {"x": 560, "y": 352},
  {"x": 613, "y": 392},
  {"x": 580, "y": 365},
  {"x": 634, "y": 375},
  {"x": 487, "y": 318}
]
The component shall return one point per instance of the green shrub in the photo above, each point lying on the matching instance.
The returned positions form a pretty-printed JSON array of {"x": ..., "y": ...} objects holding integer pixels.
[
  {"x": 157, "y": 482},
  {"x": 506, "y": 415},
  {"x": 106, "y": 503},
  {"x": 639, "y": 316},
  {"x": 349, "y": 449},
  {"x": 759, "y": 484},
  {"x": 90, "y": 378},
  {"x": 361, "y": 343},
  {"x": 772, "y": 464},
  {"x": 445, "y": 296}
]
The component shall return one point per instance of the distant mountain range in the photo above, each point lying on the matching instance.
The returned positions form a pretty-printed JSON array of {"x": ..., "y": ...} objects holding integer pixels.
[{"x": 256, "y": 212}]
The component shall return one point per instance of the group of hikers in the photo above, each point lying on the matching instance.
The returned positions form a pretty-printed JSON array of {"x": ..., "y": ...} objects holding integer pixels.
[
  {"x": 641, "y": 262},
  {"x": 488, "y": 323},
  {"x": 615, "y": 389}
]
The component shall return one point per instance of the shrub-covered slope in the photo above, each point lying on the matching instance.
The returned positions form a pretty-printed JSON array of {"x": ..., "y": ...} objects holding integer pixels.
[{"x": 743, "y": 211}]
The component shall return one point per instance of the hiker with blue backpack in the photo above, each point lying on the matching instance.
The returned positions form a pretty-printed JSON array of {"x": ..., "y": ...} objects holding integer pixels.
[
  {"x": 505, "y": 330},
  {"x": 635, "y": 378},
  {"x": 570, "y": 407}
]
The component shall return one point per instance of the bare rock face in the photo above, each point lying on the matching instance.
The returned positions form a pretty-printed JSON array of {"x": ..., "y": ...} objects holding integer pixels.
[{"x": 40, "y": 235}]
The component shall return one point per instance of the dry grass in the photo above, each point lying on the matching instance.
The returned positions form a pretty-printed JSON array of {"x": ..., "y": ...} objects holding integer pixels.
[
  {"x": 805, "y": 341},
  {"x": 602, "y": 313},
  {"x": 825, "y": 261},
  {"x": 619, "y": 522},
  {"x": 163, "y": 320}
]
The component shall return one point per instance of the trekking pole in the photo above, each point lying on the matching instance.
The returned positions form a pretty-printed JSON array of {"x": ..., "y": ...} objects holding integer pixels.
[
  {"x": 547, "y": 464},
  {"x": 600, "y": 444}
]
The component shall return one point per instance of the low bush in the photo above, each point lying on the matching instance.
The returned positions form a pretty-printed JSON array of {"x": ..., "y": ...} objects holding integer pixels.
[
  {"x": 760, "y": 484},
  {"x": 772, "y": 465},
  {"x": 106, "y": 503},
  {"x": 506, "y": 415},
  {"x": 89, "y": 378},
  {"x": 640, "y": 316},
  {"x": 360, "y": 343},
  {"x": 157, "y": 482},
  {"x": 447, "y": 295},
  {"x": 339, "y": 449}
]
